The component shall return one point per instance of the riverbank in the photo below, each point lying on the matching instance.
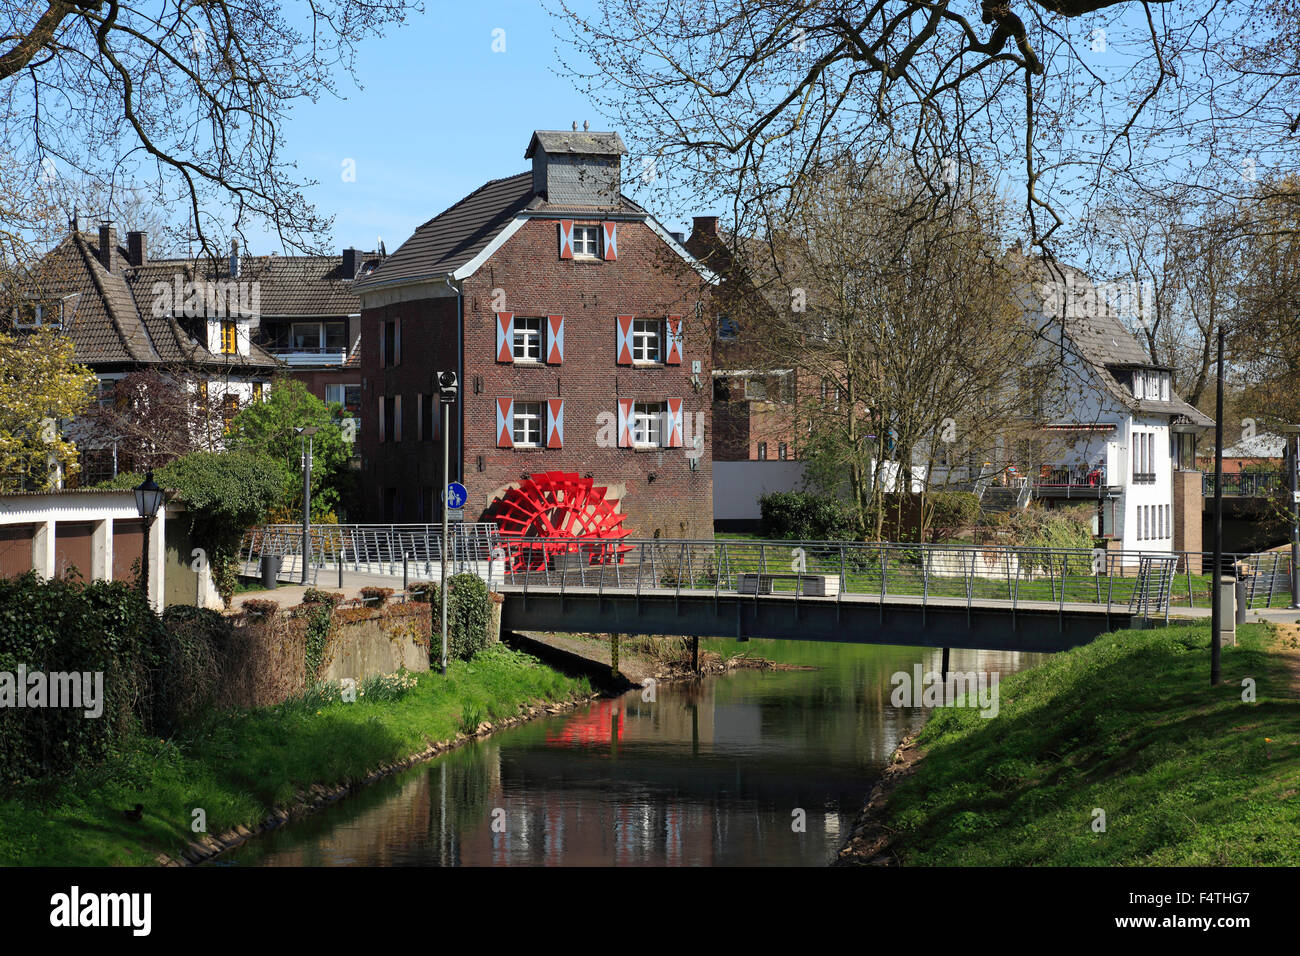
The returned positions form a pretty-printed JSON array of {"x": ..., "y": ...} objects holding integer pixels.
[
  {"x": 1114, "y": 753},
  {"x": 247, "y": 772}
]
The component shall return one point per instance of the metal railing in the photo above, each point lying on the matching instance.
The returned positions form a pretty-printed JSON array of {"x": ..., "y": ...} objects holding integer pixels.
[
  {"x": 1247, "y": 485},
  {"x": 385, "y": 549},
  {"x": 1147, "y": 583}
]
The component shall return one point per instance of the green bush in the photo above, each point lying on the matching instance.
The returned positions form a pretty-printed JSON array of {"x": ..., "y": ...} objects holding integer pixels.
[
  {"x": 950, "y": 512},
  {"x": 65, "y": 626},
  {"x": 468, "y": 614},
  {"x": 189, "y": 667},
  {"x": 806, "y": 516}
]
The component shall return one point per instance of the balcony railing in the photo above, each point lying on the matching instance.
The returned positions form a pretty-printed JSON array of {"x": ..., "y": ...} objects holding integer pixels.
[
  {"x": 309, "y": 356},
  {"x": 1247, "y": 485}
]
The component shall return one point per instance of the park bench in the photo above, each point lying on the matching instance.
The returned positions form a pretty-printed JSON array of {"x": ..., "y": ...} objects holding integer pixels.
[{"x": 809, "y": 585}]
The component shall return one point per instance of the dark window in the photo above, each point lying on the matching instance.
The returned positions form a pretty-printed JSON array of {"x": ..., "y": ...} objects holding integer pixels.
[
  {"x": 428, "y": 419},
  {"x": 390, "y": 505},
  {"x": 762, "y": 451},
  {"x": 728, "y": 329},
  {"x": 782, "y": 451},
  {"x": 390, "y": 418},
  {"x": 390, "y": 343}
]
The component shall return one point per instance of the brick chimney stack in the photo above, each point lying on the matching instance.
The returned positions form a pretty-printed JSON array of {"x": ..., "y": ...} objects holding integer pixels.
[
  {"x": 705, "y": 225},
  {"x": 137, "y": 248},
  {"x": 108, "y": 247}
]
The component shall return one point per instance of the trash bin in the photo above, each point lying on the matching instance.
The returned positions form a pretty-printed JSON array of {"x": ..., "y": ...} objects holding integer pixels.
[
  {"x": 270, "y": 570},
  {"x": 1241, "y": 601}
]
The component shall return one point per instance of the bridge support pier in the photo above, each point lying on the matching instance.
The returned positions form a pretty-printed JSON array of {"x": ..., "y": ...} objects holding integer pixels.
[{"x": 695, "y": 654}]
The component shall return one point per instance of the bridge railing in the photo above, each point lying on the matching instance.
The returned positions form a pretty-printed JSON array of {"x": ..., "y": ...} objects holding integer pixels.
[
  {"x": 1146, "y": 581},
  {"x": 1247, "y": 485}
]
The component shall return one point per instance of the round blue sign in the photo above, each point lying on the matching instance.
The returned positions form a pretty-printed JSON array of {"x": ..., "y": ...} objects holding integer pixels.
[{"x": 456, "y": 495}]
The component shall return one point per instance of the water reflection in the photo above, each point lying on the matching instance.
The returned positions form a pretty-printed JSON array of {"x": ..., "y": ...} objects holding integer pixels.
[{"x": 715, "y": 773}]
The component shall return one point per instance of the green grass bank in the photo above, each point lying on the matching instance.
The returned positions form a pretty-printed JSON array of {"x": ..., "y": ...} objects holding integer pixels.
[
  {"x": 237, "y": 767},
  {"x": 1186, "y": 774}
]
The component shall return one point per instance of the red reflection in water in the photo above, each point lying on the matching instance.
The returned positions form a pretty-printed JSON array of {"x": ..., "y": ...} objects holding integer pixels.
[{"x": 601, "y": 725}]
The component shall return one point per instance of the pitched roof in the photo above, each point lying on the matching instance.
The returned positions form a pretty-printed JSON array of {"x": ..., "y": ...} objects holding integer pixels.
[{"x": 455, "y": 236}]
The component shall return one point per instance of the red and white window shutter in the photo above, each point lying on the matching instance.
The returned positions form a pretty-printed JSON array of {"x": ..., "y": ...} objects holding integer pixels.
[
  {"x": 623, "y": 347},
  {"x": 674, "y": 328},
  {"x": 625, "y": 422},
  {"x": 554, "y": 339},
  {"x": 505, "y": 336},
  {"x": 555, "y": 423},
  {"x": 505, "y": 423},
  {"x": 673, "y": 431},
  {"x": 611, "y": 240},
  {"x": 566, "y": 238}
]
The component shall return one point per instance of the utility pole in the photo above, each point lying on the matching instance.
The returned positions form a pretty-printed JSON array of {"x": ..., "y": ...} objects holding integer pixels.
[
  {"x": 447, "y": 387},
  {"x": 1216, "y": 590},
  {"x": 306, "y": 433}
]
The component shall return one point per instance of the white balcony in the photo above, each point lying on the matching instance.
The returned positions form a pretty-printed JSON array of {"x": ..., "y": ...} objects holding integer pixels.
[{"x": 299, "y": 357}]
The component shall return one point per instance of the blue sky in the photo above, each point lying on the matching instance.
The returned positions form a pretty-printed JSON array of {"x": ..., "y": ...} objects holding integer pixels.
[{"x": 439, "y": 115}]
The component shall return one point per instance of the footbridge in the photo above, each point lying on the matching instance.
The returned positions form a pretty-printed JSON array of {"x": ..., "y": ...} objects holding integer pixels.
[{"x": 943, "y": 595}]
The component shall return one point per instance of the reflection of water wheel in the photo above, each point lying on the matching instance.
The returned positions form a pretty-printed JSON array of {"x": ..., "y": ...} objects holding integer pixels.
[{"x": 558, "y": 505}]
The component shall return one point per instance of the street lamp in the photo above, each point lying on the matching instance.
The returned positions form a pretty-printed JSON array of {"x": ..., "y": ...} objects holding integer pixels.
[
  {"x": 1293, "y": 453},
  {"x": 305, "y": 432},
  {"x": 447, "y": 389},
  {"x": 148, "y": 499}
]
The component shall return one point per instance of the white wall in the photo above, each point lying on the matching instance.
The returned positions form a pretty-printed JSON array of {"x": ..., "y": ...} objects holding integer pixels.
[{"x": 737, "y": 486}]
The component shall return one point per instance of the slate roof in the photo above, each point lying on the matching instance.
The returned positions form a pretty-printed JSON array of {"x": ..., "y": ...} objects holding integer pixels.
[
  {"x": 1099, "y": 337},
  {"x": 580, "y": 142},
  {"x": 455, "y": 236}
]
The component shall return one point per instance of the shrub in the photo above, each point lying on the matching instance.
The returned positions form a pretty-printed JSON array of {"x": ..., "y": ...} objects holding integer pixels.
[
  {"x": 69, "y": 627},
  {"x": 806, "y": 516},
  {"x": 319, "y": 614},
  {"x": 315, "y": 596},
  {"x": 468, "y": 616},
  {"x": 949, "y": 512},
  {"x": 376, "y": 596},
  {"x": 257, "y": 607},
  {"x": 190, "y": 666}
]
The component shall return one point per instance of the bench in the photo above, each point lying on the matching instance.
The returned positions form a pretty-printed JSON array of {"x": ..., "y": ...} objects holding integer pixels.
[{"x": 809, "y": 585}]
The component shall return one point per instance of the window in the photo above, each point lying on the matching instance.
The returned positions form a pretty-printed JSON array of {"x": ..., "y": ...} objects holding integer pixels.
[
  {"x": 647, "y": 422},
  {"x": 390, "y": 343},
  {"x": 390, "y": 418},
  {"x": 528, "y": 425},
  {"x": 586, "y": 241},
  {"x": 645, "y": 340},
  {"x": 528, "y": 339},
  {"x": 1144, "y": 458},
  {"x": 318, "y": 336},
  {"x": 782, "y": 451},
  {"x": 258, "y": 390},
  {"x": 229, "y": 409},
  {"x": 229, "y": 337},
  {"x": 762, "y": 451},
  {"x": 728, "y": 329}
]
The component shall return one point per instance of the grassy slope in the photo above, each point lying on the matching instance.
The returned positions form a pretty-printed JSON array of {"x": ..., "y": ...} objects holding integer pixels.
[
  {"x": 1127, "y": 724},
  {"x": 237, "y": 767}
]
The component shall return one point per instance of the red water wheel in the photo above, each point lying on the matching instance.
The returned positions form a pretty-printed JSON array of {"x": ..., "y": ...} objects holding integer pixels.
[{"x": 558, "y": 512}]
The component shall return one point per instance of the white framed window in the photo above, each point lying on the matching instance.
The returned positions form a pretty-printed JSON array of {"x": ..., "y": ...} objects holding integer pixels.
[
  {"x": 318, "y": 336},
  {"x": 647, "y": 423},
  {"x": 528, "y": 425},
  {"x": 528, "y": 338},
  {"x": 646, "y": 340},
  {"x": 586, "y": 241}
]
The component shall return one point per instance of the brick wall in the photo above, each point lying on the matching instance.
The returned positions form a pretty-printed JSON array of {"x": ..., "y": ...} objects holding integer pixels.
[
  {"x": 657, "y": 489},
  {"x": 1188, "y": 506}
]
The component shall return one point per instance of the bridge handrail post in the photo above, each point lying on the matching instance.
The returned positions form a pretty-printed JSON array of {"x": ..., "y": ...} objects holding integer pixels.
[
  {"x": 844, "y": 581},
  {"x": 884, "y": 563},
  {"x": 925, "y": 576}
]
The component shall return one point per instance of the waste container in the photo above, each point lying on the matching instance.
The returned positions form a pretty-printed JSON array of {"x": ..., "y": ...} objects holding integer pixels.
[{"x": 270, "y": 570}]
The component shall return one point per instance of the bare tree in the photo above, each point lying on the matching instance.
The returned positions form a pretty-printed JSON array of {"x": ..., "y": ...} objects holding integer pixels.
[
  {"x": 749, "y": 97},
  {"x": 184, "y": 100}
]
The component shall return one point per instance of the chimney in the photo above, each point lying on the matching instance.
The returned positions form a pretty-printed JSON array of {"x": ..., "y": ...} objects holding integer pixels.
[
  {"x": 234, "y": 258},
  {"x": 108, "y": 247},
  {"x": 137, "y": 248},
  {"x": 705, "y": 226},
  {"x": 351, "y": 263},
  {"x": 577, "y": 167}
]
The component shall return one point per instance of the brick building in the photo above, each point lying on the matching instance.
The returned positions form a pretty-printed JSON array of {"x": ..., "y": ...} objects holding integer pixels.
[{"x": 574, "y": 321}]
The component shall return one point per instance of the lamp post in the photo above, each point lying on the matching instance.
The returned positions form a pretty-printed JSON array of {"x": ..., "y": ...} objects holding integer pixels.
[
  {"x": 1293, "y": 469},
  {"x": 148, "y": 499},
  {"x": 447, "y": 388},
  {"x": 306, "y": 432},
  {"x": 1216, "y": 590}
]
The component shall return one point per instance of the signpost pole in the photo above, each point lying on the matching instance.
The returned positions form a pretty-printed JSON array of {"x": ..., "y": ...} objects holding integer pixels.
[{"x": 442, "y": 564}]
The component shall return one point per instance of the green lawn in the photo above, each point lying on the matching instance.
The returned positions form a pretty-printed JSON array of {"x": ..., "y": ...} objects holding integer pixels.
[
  {"x": 1186, "y": 775},
  {"x": 236, "y": 767}
]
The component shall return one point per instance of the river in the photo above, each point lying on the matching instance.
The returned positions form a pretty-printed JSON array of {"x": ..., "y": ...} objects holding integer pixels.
[{"x": 751, "y": 768}]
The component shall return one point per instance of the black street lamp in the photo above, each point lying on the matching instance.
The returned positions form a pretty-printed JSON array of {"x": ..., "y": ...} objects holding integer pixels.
[
  {"x": 1292, "y": 460},
  {"x": 148, "y": 499}
]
